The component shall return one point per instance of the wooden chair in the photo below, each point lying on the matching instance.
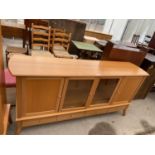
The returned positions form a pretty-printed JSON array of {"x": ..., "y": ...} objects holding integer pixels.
[
  {"x": 61, "y": 43},
  {"x": 52, "y": 30},
  {"x": 40, "y": 37},
  {"x": 28, "y": 27}
]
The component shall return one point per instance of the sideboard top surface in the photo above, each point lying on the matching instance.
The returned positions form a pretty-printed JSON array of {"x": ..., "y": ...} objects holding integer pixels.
[{"x": 21, "y": 65}]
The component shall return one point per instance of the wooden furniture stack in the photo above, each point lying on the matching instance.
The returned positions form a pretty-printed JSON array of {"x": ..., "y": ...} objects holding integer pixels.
[
  {"x": 149, "y": 66},
  {"x": 98, "y": 35},
  {"x": 50, "y": 90},
  {"x": 4, "y": 107},
  {"x": 118, "y": 52}
]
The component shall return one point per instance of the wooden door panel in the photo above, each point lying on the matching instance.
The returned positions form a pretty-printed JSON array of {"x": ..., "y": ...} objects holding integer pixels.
[
  {"x": 127, "y": 89},
  {"x": 40, "y": 95}
]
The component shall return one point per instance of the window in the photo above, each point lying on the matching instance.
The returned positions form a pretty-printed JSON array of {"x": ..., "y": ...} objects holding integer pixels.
[{"x": 94, "y": 24}]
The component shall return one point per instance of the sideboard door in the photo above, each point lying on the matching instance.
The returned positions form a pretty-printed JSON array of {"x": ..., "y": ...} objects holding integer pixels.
[
  {"x": 104, "y": 91},
  {"x": 127, "y": 89},
  {"x": 76, "y": 93},
  {"x": 37, "y": 96}
]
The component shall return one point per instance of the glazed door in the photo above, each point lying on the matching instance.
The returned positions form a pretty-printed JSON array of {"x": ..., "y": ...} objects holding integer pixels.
[
  {"x": 76, "y": 93},
  {"x": 104, "y": 91}
]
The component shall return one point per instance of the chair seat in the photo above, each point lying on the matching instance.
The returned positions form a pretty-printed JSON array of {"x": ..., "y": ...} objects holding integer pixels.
[
  {"x": 10, "y": 81},
  {"x": 41, "y": 53},
  {"x": 61, "y": 52}
]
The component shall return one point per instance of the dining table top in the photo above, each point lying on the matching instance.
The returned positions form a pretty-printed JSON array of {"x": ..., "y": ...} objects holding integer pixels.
[{"x": 86, "y": 46}]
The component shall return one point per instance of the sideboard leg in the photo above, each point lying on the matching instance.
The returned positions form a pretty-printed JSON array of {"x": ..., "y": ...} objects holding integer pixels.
[
  {"x": 18, "y": 127},
  {"x": 124, "y": 111}
]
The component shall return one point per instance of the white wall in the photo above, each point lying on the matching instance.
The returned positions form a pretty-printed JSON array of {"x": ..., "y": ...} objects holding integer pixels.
[
  {"x": 115, "y": 27},
  {"x": 141, "y": 27},
  {"x": 151, "y": 29},
  {"x": 132, "y": 28}
]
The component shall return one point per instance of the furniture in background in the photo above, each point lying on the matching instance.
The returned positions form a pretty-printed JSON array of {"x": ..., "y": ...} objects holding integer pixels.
[
  {"x": 61, "y": 43},
  {"x": 4, "y": 107},
  {"x": 76, "y": 28},
  {"x": 149, "y": 66},
  {"x": 151, "y": 44},
  {"x": 40, "y": 53},
  {"x": 12, "y": 30},
  {"x": 98, "y": 35},
  {"x": 123, "y": 53},
  {"x": 75, "y": 88},
  {"x": 87, "y": 50},
  {"x": 40, "y": 37},
  {"x": 101, "y": 44},
  {"x": 10, "y": 50},
  {"x": 89, "y": 39},
  {"x": 135, "y": 39},
  {"x": 28, "y": 24},
  {"x": 147, "y": 39}
]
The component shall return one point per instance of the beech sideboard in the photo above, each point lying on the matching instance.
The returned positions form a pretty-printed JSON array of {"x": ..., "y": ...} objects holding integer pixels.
[{"x": 54, "y": 89}]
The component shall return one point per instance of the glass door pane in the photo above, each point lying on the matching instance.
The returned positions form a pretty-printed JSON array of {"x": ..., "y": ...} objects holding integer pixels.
[
  {"x": 77, "y": 93},
  {"x": 104, "y": 91}
]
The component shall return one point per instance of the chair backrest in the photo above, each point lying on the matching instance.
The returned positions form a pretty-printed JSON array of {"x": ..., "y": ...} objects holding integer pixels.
[
  {"x": 40, "y": 36},
  {"x": 61, "y": 37},
  {"x": 52, "y": 31},
  {"x": 27, "y": 32}
]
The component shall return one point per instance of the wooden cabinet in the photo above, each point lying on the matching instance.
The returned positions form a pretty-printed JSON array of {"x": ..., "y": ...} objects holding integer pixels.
[{"x": 50, "y": 90}]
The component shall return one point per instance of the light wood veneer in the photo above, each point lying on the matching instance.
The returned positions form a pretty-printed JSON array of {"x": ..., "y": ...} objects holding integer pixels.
[{"x": 52, "y": 89}]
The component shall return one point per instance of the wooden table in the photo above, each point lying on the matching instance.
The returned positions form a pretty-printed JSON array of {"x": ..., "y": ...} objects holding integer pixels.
[
  {"x": 50, "y": 90},
  {"x": 86, "y": 50},
  {"x": 149, "y": 66}
]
